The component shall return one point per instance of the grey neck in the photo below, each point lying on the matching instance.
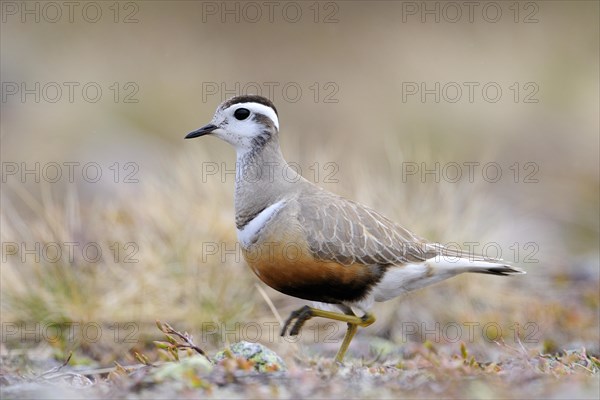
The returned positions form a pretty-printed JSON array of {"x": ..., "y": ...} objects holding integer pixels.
[{"x": 262, "y": 178}]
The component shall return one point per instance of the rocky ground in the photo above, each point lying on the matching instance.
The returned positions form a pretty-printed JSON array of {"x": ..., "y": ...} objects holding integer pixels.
[{"x": 249, "y": 370}]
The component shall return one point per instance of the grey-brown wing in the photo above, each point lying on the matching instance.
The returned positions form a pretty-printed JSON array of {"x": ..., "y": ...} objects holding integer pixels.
[{"x": 347, "y": 232}]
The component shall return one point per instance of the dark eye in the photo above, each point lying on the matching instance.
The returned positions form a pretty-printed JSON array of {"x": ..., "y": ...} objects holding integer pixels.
[{"x": 241, "y": 113}]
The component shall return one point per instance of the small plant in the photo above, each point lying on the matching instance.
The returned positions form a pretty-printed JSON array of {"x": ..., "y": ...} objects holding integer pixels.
[{"x": 176, "y": 341}]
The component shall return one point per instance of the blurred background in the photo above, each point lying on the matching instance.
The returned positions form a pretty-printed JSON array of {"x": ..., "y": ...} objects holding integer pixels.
[{"x": 463, "y": 123}]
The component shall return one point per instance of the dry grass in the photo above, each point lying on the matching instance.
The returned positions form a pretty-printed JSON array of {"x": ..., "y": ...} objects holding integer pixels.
[
  {"x": 173, "y": 217},
  {"x": 216, "y": 298}
]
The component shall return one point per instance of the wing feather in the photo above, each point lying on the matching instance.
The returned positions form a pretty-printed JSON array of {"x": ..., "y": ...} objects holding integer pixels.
[{"x": 347, "y": 232}]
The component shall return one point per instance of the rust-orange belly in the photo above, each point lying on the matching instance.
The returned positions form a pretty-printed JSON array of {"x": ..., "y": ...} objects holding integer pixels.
[{"x": 290, "y": 268}]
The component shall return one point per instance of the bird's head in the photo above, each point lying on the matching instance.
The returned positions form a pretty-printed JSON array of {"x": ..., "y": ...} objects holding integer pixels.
[{"x": 246, "y": 122}]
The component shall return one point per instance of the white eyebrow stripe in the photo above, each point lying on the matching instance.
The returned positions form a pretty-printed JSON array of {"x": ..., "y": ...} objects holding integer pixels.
[{"x": 261, "y": 109}]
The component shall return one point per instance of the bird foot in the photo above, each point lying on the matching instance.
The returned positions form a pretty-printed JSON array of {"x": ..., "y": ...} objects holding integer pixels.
[{"x": 301, "y": 316}]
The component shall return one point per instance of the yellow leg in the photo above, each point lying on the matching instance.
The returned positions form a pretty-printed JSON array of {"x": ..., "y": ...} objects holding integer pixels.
[
  {"x": 305, "y": 313},
  {"x": 352, "y": 328}
]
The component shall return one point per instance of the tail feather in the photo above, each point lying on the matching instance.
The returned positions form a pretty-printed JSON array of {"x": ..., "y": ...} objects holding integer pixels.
[
  {"x": 412, "y": 276},
  {"x": 490, "y": 267},
  {"x": 496, "y": 269},
  {"x": 461, "y": 261}
]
